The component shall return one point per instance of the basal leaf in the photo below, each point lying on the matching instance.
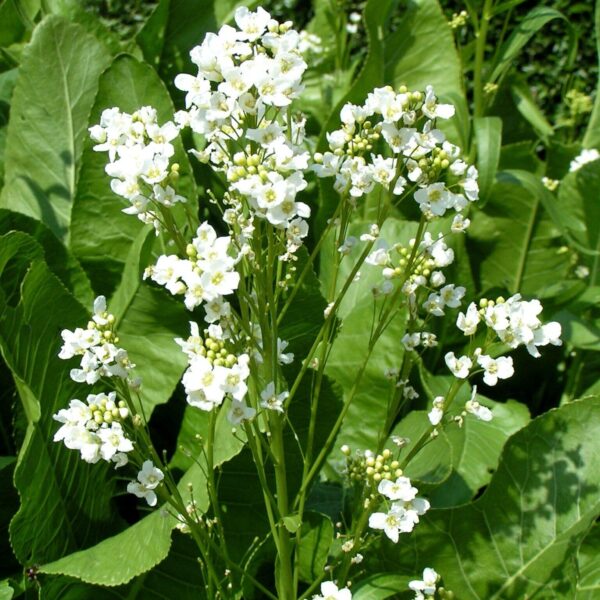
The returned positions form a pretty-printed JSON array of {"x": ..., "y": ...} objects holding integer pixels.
[
  {"x": 488, "y": 135},
  {"x": 381, "y": 586},
  {"x": 424, "y": 25},
  {"x": 60, "y": 261},
  {"x": 147, "y": 331},
  {"x": 118, "y": 559},
  {"x": 588, "y": 563},
  {"x": 513, "y": 244},
  {"x": 577, "y": 191},
  {"x": 317, "y": 537},
  {"x": 55, "y": 89},
  {"x": 65, "y": 503},
  {"x": 520, "y": 538}
]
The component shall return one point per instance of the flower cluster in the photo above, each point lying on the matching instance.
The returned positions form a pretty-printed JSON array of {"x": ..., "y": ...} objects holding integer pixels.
[
  {"x": 205, "y": 276},
  {"x": 428, "y": 259},
  {"x": 95, "y": 428},
  {"x": 404, "y": 511},
  {"x": 367, "y": 465},
  {"x": 213, "y": 372},
  {"x": 406, "y": 122},
  {"x": 100, "y": 356},
  {"x": 139, "y": 150},
  {"x": 515, "y": 322},
  {"x": 239, "y": 102},
  {"x": 148, "y": 479}
]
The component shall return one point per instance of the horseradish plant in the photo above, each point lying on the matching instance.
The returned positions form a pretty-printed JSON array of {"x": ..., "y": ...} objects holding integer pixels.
[{"x": 243, "y": 283}]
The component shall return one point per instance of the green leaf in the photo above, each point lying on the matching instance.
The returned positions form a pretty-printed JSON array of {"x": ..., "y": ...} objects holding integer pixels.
[
  {"x": 292, "y": 522},
  {"x": 101, "y": 233},
  {"x": 526, "y": 29},
  {"x": 368, "y": 408},
  {"x": 527, "y": 106},
  {"x": 45, "y": 138},
  {"x": 591, "y": 139},
  {"x": 118, "y": 559},
  {"x": 75, "y": 12},
  {"x": 577, "y": 192},
  {"x": 317, "y": 537},
  {"x": 6, "y": 591},
  {"x": 9, "y": 504},
  {"x": 488, "y": 136},
  {"x": 588, "y": 562},
  {"x": 16, "y": 20},
  {"x": 520, "y": 538},
  {"x": 381, "y": 586},
  {"x": 75, "y": 496},
  {"x": 579, "y": 330},
  {"x": 147, "y": 331},
  {"x": 196, "y": 423},
  {"x": 177, "y": 576},
  {"x": 516, "y": 246},
  {"x": 60, "y": 261},
  {"x": 424, "y": 26},
  {"x": 433, "y": 464}
]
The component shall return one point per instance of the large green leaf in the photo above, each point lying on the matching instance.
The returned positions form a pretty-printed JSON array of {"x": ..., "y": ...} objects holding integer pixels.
[
  {"x": 381, "y": 586},
  {"x": 61, "y": 262},
  {"x": 118, "y": 559},
  {"x": 577, "y": 192},
  {"x": 513, "y": 243},
  {"x": 488, "y": 135},
  {"x": 101, "y": 234},
  {"x": 588, "y": 561},
  {"x": 520, "y": 538},
  {"x": 65, "y": 503},
  {"x": 147, "y": 330},
  {"x": 316, "y": 540},
  {"x": 424, "y": 26},
  {"x": 55, "y": 89},
  {"x": 177, "y": 576},
  {"x": 368, "y": 408},
  {"x": 475, "y": 446}
]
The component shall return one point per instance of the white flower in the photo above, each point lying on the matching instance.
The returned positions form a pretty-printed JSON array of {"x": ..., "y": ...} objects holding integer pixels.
[
  {"x": 401, "y": 489},
  {"x": 400, "y": 518},
  {"x": 495, "y": 368},
  {"x": 284, "y": 358},
  {"x": 330, "y": 591},
  {"x": 113, "y": 440},
  {"x": 460, "y": 367},
  {"x": 411, "y": 340},
  {"x": 584, "y": 157},
  {"x": 437, "y": 412},
  {"x": 240, "y": 412},
  {"x": 427, "y": 585},
  {"x": 271, "y": 400},
  {"x": 468, "y": 322},
  {"x": 483, "y": 413},
  {"x": 148, "y": 479}
]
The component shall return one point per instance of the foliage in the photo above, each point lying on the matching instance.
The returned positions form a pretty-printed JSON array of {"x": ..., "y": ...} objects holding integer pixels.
[{"x": 285, "y": 502}]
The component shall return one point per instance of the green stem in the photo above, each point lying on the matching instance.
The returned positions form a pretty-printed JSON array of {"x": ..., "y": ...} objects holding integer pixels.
[{"x": 479, "y": 58}]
